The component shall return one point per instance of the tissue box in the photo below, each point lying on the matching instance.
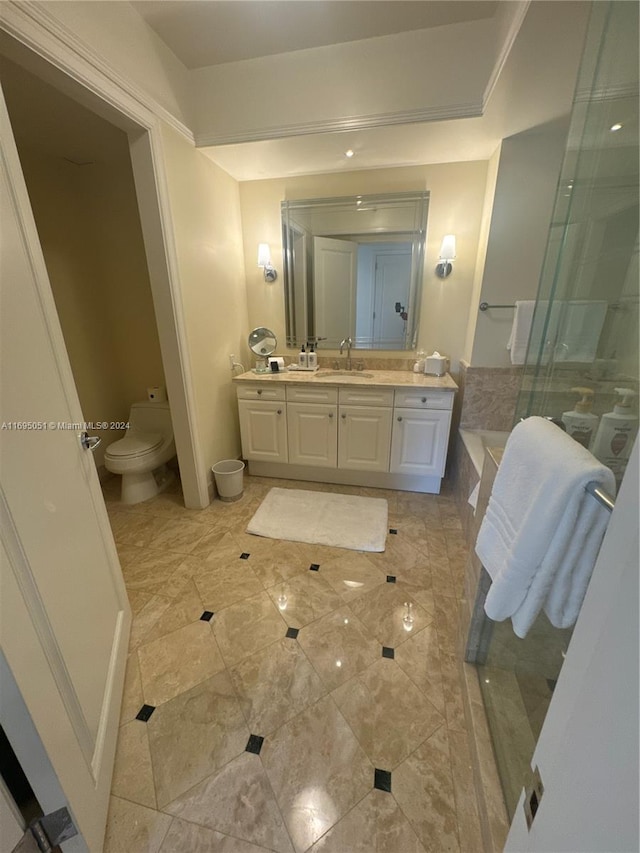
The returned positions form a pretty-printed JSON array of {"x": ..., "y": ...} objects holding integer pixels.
[{"x": 436, "y": 364}]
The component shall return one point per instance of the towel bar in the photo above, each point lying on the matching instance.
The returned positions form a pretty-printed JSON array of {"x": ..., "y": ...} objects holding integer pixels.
[
  {"x": 600, "y": 495},
  {"x": 484, "y": 306}
]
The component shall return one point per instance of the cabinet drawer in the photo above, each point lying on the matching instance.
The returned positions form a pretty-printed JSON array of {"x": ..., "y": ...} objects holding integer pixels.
[
  {"x": 262, "y": 391},
  {"x": 317, "y": 394},
  {"x": 366, "y": 396},
  {"x": 423, "y": 398}
]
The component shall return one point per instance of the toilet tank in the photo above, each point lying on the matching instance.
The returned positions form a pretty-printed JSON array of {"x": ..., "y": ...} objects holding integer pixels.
[{"x": 151, "y": 417}]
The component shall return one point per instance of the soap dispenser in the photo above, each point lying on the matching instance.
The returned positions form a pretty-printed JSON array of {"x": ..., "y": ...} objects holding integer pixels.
[
  {"x": 616, "y": 433},
  {"x": 312, "y": 357},
  {"x": 580, "y": 422},
  {"x": 303, "y": 359}
]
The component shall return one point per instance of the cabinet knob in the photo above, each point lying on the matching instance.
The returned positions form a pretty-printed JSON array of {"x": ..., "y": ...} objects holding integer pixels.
[
  {"x": 344, "y": 417},
  {"x": 330, "y": 414},
  {"x": 399, "y": 418},
  {"x": 423, "y": 399},
  {"x": 279, "y": 411},
  {"x": 259, "y": 391}
]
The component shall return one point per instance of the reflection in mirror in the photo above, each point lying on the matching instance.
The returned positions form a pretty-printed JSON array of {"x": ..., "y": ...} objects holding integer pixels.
[{"x": 353, "y": 268}]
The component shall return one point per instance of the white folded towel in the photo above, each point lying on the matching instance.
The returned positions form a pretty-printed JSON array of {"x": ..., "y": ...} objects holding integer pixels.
[
  {"x": 580, "y": 327},
  {"x": 542, "y": 531},
  {"x": 520, "y": 331},
  {"x": 572, "y": 331}
]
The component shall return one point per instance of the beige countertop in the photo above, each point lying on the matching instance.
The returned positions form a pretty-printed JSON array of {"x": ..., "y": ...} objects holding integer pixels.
[{"x": 370, "y": 379}]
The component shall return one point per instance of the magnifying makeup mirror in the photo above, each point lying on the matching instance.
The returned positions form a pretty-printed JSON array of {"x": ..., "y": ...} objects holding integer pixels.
[{"x": 262, "y": 343}]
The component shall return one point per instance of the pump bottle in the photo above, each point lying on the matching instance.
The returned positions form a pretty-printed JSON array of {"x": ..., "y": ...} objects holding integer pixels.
[
  {"x": 580, "y": 422},
  {"x": 616, "y": 433}
]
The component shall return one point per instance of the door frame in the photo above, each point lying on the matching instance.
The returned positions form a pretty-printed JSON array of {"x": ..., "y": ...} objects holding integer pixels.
[{"x": 60, "y": 59}]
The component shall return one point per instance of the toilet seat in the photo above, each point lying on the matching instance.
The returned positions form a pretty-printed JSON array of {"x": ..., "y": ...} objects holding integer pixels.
[{"x": 135, "y": 443}]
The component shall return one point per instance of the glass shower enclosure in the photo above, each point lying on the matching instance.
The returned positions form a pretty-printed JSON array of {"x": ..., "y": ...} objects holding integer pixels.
[{"x": 591, "y": 257}]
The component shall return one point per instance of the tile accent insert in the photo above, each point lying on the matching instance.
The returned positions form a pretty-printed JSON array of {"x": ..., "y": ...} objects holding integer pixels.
[
  {"x": 207, "y": 616},
  {"x": 382, "y": 780},
  {"x": 388, "y": 652},
  {"x": 292, "y": 633},
  {"x": 145, "y": 712},
  {"x": 254, "y": 744}
]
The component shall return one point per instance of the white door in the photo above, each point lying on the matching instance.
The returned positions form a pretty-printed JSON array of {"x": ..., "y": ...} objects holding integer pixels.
[
  {"x": 64, "y": 618},
  {"x": 313, "y": 435},
  {"x": 335, "y": 264},
  {"x": 364, "y": 438},
  {"x": 263, "y": 430},
  {"x": 419, "y": 442},
  {"x": 391, "y": 296}
]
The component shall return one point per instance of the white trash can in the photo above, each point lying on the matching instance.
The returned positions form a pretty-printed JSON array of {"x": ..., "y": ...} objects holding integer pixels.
[{"x": 228, "y": 476}]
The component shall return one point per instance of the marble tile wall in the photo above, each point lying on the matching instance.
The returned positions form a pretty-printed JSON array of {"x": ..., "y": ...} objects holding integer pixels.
[{"x": 488, "y": 396}]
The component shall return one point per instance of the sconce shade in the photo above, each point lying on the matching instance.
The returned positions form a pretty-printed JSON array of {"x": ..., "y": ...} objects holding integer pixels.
[
  {"x": 447, "y": 254},
  {"x": 448, "y": 247},
  {"x": 264, "y": 255},
  {"x": 264, "y": 261}
]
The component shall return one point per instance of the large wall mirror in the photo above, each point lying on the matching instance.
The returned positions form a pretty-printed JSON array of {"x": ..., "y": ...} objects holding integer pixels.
[{"x": 353, "y": 268}]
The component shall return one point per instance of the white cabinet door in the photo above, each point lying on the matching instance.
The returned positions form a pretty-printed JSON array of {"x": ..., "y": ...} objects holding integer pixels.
[
  {"x": 419, "y": 441},
  {"x": 263, "y": 430},
  {"x": 313, "y": 434},
  {"x": 364, "y": 437}
]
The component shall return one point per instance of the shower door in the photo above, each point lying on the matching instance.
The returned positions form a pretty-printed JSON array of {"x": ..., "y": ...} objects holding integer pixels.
[{"x": 592, "y": 256}]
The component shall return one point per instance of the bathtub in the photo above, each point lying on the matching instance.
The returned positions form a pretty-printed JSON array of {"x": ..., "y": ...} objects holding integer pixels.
[{"x": 475, "y": 441}]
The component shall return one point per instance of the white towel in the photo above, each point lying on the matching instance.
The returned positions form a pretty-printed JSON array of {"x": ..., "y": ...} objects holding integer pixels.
[
  {"x": 572, "y": 333},
  {"x": 520, "y": 331},
  {"x": 581, "y": 323},
  {"x": 542, "y": 531}
]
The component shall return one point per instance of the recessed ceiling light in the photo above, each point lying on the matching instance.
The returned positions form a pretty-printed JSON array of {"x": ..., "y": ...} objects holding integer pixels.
[
  {"x": 349, "y": 153},
  {"x": 615, "y": 127}
]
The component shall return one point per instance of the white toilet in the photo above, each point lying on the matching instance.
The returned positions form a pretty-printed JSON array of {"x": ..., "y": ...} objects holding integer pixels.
[{"x": 142, "y": 454}]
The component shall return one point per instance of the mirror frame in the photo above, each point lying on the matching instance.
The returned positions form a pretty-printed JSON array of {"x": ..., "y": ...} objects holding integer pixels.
[{"x": 420, "y": 202}]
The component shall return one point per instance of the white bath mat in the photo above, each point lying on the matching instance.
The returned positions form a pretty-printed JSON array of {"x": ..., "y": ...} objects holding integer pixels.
[{"x": 344, "y": 521}]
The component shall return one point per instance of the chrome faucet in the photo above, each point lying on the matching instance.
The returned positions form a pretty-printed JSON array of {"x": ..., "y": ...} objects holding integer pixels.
[{"x": 348, "y": 343}]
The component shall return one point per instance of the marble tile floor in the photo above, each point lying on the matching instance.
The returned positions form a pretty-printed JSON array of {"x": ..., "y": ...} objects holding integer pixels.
[{"x": 270, "y": 708}]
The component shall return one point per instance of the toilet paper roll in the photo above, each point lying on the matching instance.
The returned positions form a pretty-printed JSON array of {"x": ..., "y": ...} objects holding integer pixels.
[{"x": 157, "y": 394}]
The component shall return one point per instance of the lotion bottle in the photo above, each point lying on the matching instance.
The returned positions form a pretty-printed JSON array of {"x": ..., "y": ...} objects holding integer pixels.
[
  {"x": 580, "y": 423},
  {"x": 312, "y": 357},
  {"x": 303, "y": 360},
  {"x": 616, "y": 433}
]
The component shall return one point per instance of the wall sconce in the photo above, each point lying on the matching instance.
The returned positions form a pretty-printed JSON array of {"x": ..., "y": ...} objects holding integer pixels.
[
  {"x": 447, "y": 255},
  {"x": 264, "y": 260}
]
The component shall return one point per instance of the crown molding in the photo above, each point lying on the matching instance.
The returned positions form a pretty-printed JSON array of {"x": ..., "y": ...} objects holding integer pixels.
[
  {"x": 505, "y": 50},
  {"x": 363, "y": 122},
  {"x": 31, "y": 24}
]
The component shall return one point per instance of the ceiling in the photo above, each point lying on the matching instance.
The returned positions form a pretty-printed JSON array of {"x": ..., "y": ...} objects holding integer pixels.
[{"x": 217, "y": 31}]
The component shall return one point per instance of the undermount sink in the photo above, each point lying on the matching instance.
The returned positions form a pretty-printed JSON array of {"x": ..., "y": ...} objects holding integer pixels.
[{"x": 354, "y": 374}]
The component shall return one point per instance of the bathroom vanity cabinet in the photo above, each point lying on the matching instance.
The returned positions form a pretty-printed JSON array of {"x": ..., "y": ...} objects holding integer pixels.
[{"x": 390, "y": 430}]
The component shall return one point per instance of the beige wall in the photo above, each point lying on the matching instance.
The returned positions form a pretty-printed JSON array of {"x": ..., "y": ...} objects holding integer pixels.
[
  {"x": 457, "y": 192},
  {"x": 525, "y": 189},
  {"x": 205, "y": 209},
  {"x": 88, "y": 223}
]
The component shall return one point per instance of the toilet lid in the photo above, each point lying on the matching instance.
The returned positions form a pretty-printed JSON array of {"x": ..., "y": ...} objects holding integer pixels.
[{"x": 135, "y": 443}]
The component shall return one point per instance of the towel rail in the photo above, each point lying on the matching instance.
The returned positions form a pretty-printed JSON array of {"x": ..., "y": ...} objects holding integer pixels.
[
  {"x": 484, "y": 306},
  {"x": 603, "y": 498}
]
